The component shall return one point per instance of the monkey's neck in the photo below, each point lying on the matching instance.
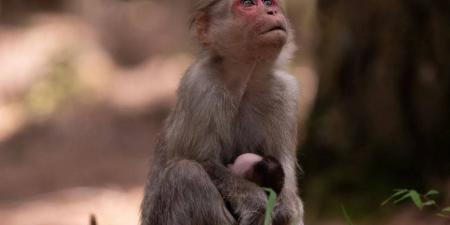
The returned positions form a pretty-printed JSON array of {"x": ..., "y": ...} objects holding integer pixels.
[{"x": 240, "y": 77}]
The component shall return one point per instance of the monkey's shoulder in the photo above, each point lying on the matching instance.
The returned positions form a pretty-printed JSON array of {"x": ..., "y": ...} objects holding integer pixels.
[
  {"x": 288, "y": 84},
  {"x": 200, "y": 96},
  {"x": 196, "y": 83}
]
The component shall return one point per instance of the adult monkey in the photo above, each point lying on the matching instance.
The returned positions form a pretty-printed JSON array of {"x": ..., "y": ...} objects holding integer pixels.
[{"x": 234, "y": 99}]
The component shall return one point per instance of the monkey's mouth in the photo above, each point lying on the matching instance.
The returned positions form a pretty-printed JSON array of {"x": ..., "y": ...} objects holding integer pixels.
[{"x": 275, "y": 28}]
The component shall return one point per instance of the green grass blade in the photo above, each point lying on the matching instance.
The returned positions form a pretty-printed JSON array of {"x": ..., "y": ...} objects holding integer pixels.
[
  {"x": 397, "y": 192},
  {"x": 270, "y": 205},
  {"x": 387, "y": 200},
  {"x": 429, "y": 203},
  {"x": 400, "y": 191},
  {"x": 347, "y": 217},
  {"x": 431, "y": 192},
  {"x": 416, "y": 199},
  {"x": 407, "y": 195}
]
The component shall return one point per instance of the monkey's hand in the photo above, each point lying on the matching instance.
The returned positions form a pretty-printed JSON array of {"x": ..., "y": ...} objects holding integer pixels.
[
  {"x": 288, "y": 210},
  {"x": 250, "y": 207},
  {"x": 247, "y": 200}
]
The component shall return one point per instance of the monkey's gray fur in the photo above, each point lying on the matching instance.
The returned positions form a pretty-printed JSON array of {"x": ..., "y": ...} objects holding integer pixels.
[{"x": 225, "y": 108}]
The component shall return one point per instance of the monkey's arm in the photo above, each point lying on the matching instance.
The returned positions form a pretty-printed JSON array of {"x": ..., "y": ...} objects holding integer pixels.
[
  {"x": 247, "y": 200},
  {"x": 289, "y": 208}
]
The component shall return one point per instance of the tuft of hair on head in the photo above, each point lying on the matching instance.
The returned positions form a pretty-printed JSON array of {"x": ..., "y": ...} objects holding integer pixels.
[{"x": 92, "y": 220}]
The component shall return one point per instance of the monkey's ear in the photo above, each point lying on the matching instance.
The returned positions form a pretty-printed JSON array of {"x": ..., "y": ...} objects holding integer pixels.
[{"x": 201, "y": 26}]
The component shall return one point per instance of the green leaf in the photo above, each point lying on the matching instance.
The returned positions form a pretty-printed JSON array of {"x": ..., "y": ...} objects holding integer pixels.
[
  {"x": 270, "y": 205},
  {"x": 429, "y": 202},
  {"x": 397, "y": 192},
  {"x": 446, "y": 209},
  {"x": 431, "y": 192},
  {"x": 416, "y": 199},
  {"x": 407, "y": 195},
  {"x": 347, "y": 217},
  {"x": 386, "y": 201}
]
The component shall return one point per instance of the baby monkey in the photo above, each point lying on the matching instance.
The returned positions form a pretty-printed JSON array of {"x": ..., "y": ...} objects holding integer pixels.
[{"x": 265, "y": 171}]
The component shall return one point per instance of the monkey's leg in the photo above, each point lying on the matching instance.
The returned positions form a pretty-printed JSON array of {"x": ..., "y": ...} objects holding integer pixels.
[{"x": 185, "y": 195}]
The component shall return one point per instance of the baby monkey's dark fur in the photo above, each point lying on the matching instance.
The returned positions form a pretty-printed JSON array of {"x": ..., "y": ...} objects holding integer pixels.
[{"x": 268, "y": 173}]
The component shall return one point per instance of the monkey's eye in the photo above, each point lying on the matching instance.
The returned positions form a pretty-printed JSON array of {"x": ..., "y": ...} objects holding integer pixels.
[
  {"x": 248, "y": 2},
  {"x": 268, "y": 2}
]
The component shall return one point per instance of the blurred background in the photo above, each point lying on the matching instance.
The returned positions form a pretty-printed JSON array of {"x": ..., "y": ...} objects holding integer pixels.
[{"x": 85, "y": 86}]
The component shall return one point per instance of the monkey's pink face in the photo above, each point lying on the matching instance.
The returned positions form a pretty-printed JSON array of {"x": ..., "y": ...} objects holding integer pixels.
[{"x": 262, "y": 21}]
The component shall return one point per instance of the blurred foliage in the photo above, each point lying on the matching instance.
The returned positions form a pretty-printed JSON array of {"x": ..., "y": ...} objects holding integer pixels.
[
  {"x": 421, "y": 201},
  {"x": 59, "y": 86},
  {"x": 381, "y": 119},
  {"x": 270, "y": 205},
  {"x": 348, "y": 220}
]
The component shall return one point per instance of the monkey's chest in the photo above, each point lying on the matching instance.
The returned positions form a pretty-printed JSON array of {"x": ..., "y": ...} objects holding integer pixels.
[{"x": 249, "y": 136}]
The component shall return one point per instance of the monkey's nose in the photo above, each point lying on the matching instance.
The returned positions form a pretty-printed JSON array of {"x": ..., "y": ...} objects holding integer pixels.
[{"x": 271, "y": 12}]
